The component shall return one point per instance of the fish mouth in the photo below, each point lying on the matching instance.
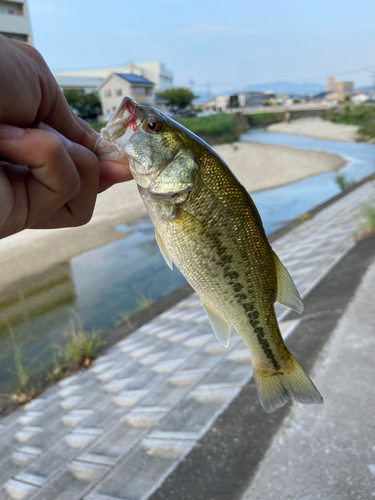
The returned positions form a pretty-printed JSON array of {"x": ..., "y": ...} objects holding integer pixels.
[{"x": 121, "y": 128}]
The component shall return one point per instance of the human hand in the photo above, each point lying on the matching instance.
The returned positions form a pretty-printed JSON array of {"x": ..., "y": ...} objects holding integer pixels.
[{"x": 47, "y": 178}]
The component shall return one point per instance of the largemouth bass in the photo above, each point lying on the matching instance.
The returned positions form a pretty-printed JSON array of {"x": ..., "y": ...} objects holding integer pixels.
[{"x": 208, "y": 226}]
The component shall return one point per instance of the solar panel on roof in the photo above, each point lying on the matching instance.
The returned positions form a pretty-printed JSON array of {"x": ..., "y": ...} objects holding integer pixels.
[{"x": 134, "y": 78}]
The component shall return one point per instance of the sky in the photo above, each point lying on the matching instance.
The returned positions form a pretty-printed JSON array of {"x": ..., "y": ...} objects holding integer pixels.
[{"x": 224, "y": 44}]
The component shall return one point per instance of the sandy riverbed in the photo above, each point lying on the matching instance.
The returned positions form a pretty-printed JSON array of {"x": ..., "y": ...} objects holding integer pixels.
[
  {"x": 317, "y": 129},
  {"x": 257, "y": 166}
]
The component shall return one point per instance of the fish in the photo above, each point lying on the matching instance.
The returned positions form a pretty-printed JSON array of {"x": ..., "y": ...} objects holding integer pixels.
[{"x": 207, "y": 225}]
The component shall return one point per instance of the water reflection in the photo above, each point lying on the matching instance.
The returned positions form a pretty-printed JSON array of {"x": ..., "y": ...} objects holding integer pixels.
[{"x": 38, "y": 311}]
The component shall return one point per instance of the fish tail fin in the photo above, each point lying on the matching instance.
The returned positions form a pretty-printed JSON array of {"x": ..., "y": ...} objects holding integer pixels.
[{"x": 275, "y": 388}]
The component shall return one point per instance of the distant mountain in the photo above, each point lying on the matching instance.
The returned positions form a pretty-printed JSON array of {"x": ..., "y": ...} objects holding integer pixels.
[
  {"x": 288, "y": 88},
  {"x": 365, "y": 90}
]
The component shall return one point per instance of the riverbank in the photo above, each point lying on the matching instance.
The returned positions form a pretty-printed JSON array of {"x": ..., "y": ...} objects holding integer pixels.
[
  {"x": 257, "y": 166},
  {"x": 317, "y": 128}
]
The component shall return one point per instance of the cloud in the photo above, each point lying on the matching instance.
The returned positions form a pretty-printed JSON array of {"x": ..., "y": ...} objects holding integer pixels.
[{"x": 212, "y": 30}]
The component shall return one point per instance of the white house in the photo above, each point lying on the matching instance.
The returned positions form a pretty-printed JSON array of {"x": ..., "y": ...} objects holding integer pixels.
[
  {"x": 360, "y": 98},
  {"x": 118, "y": 85}
]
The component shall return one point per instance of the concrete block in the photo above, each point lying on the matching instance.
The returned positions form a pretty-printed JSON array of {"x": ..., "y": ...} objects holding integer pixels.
[
  {"x": 17, "y": 490},
  {"x": 156, "y": 460}
]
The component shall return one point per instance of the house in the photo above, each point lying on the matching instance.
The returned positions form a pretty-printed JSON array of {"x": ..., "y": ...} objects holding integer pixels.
[
  {"x": 161, "y": 104},
  {"x": 15, "y": 20},
  {"x": 325, "y": 97},
  {"x": 360, "y": 98},
  {"x": 118, "y": 85}
]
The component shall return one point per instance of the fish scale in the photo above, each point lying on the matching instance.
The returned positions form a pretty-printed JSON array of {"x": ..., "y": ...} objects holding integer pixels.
[{"x": 208, "y": 226}]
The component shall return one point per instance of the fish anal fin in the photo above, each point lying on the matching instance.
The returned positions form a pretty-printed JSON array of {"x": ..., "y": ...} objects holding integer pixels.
[
  {"x": 276, "y": 388},
  {"x": 287, "y": 293},
  {"x": 219, "y": 325},
  {"x": 163, "y": 249}
]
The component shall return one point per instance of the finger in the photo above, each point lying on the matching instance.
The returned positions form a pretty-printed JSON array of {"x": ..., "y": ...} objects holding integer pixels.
[
  {"x": 112, "y": 172},
  {"x": 53, "y": 178},
  {"x": 6, "y": 197},
  {"x": 79, "y": 209},
  {"x": 52, "y": 108}
]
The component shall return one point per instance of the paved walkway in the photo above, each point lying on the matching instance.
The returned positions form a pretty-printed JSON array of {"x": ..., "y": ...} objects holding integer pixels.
[{"x": 118, "y": 429}]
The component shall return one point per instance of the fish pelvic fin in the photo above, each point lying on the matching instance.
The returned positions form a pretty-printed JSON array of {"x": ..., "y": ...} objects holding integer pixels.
[
  {"x": 287, "y": 293},
  {"x": 163, "y": 249},
  {"x": 275, "y": 388},
  {"x": 219, "y": 325}
]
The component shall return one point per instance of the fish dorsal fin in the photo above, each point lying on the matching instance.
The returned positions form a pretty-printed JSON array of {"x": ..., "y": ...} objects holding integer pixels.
[
  {"x": 163, "y": 250},
  {"x": 287, "y": 293},
  {"x": 219, "y": 325}
]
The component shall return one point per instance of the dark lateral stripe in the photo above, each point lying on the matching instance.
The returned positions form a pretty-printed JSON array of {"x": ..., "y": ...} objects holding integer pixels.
[{"x": 243, "y": 300}]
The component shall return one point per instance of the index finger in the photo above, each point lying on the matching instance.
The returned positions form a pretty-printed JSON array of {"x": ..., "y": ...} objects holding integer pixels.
[{"x": 53, "y": 108}]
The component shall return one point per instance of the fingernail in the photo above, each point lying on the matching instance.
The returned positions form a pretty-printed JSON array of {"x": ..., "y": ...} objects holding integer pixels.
[
  {"x": 43, "y": 126},
  {"x": 7, "y": 132}
]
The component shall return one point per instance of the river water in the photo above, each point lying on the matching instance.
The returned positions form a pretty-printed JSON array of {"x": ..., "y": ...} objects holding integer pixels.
[{"x": 101, "y": 287}]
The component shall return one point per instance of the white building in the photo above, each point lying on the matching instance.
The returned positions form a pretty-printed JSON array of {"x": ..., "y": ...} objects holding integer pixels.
[
  {"x": 360, "y": 98},
  {"x": 156, "y": 72},
  {"x": 81, "y": 83},
  {"x": 118, "y": 85},
  {"x": 15, "y": 20}
]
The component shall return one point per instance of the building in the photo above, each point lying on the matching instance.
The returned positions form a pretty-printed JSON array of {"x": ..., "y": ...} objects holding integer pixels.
[
  {"x": 249, "y": 99},
  {"x": 344, "y": 88},
  {"x": 118, "y": 85},
  {"x": 80, "y": 83},
  {"x": 15, "y": 20},
  {"x": 156, "y": 72},
  {"x": 360, "y": 98}
]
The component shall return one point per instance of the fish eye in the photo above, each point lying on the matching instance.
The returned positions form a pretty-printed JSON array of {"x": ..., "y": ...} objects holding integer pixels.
[{"x": 153, "y": 125}]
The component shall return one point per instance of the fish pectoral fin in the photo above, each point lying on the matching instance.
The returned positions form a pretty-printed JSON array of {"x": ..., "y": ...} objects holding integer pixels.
[
  {"x": 287, "y": 293},
  {"x": 163, "y": 249},
  {"x": 219, "y": 325}
]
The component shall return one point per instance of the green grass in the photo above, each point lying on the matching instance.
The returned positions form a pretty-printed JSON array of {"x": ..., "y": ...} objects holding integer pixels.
[
  {"x": 82, "y": 349},
  {"x": 265, "y": 119},
  {"x": 21, "y": 370},
  {"x": 218, "y": 128},
  {"x": 367, "y": 213},
  {"x": 343, "y": 181},
  {"x": 362, "y": 116},
  {"x": 96, "y": 126}
]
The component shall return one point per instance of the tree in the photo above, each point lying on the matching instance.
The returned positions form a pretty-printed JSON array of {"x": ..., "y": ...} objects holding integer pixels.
[
  {"x": 178, "y": 97},
  {"x": 85, "y": 105}
]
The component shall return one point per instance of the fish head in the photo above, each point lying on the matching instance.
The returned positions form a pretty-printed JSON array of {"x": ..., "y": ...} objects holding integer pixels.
[{"x": 144, "y": 136}]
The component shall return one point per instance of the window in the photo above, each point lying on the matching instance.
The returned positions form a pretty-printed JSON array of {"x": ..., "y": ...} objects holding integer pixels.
[
  {"x": 139, "y": 90},
  {"x": 107, "y": 93},
  {"x": 114, "y": 108},
  {"x": 148, "y": 91},
  {"x": 7, "y": 11},
  {"x": 118, "y": 92}
]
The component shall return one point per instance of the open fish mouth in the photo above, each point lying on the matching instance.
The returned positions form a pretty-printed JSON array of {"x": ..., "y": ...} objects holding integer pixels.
[{"x": 119, "y": 131}]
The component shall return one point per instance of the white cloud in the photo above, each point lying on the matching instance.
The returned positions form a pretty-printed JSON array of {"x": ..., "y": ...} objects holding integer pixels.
[{"x": 212, "y": 30}]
